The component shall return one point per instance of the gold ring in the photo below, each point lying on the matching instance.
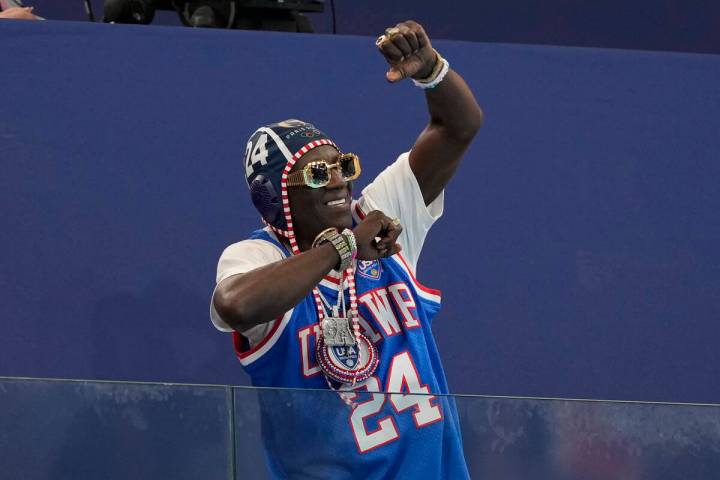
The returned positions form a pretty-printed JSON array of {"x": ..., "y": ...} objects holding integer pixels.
[
  {"x": 389, "y": 32},
  {"x": 396, "y": 222},
  {"x": 379, "y": 41}
]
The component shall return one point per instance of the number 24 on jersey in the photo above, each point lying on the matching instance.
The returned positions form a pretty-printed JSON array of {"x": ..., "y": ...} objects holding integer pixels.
[{"x": 402, "y": 377}]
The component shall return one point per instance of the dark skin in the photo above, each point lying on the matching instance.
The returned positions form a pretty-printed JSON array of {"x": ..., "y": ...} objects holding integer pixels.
[{"x": 262, "y": 295}]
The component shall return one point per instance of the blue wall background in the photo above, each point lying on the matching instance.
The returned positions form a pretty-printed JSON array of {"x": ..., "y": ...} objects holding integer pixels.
[
  {"x": 674, "y": 25},
  {"x": 578, "y": 255}
]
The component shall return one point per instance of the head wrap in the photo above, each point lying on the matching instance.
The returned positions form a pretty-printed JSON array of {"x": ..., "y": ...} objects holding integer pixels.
[{"x": 270, "y": 154}]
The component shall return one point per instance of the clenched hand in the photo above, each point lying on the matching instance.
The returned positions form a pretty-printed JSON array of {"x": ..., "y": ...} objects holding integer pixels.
[
  {"x": 408, "y": 51},
  {"x": 376, "y": 236}
]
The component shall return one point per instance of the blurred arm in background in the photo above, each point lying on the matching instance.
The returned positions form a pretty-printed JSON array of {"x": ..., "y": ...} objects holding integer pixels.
[{"x": 18, "y": 13}]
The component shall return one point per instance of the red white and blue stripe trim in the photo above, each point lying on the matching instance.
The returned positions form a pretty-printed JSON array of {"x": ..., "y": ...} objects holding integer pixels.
[
  {"x": 426, "y": 293},
  {"x": 249, "y": 355}
]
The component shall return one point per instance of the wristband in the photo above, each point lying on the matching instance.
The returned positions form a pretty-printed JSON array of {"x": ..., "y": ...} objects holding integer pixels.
[{"x": 441, "y": 68}]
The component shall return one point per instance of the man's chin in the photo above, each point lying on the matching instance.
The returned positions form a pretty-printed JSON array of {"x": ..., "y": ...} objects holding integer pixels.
[
  {"x": 322, "y": 220},
  {"x": 340, "y": 221},
  {"x": 344, "y": 224}
]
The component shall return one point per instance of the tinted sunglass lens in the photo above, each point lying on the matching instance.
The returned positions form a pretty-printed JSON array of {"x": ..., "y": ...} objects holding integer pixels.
[
  {"x": 319, "y": 174},
  {"x": 347, "y": 166}
]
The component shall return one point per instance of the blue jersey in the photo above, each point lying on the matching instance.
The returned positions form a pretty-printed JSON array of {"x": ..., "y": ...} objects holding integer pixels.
[{"x": 317, "y": 435}]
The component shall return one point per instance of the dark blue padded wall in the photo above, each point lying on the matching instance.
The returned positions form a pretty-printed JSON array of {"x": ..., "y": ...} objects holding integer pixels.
[{"x": 578, "y": 255}]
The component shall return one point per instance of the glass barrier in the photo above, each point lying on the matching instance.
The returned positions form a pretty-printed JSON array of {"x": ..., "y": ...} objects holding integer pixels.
[
  {"x": 101, "y": 430},
  {"x": 53, "y": 429},
  {"x": 590, "y": 440}
]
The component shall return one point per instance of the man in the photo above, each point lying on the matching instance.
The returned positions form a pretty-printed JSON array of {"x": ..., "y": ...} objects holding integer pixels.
[{"x": 279, "y": 292}]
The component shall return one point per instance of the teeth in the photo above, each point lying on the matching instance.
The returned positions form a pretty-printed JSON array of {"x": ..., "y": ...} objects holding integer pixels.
[{"x": 336, "y": 202}]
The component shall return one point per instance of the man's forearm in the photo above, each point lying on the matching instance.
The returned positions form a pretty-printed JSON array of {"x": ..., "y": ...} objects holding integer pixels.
[
  {"x": 452, "y": 106},
  {"x": 262, "y": 295},
  {"x": 455, "y": 118}
]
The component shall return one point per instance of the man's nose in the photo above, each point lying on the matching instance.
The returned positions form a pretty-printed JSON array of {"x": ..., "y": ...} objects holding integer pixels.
[{"x": 336, "y": 179}]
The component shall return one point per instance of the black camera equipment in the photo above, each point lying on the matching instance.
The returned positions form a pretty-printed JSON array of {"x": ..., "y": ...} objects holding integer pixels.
[
  {"x": 129, "y": 11},
  {"x": 207, "y": 13},
  {"x": 89, "y": 10},
  {"x": 278, "y": 15}
]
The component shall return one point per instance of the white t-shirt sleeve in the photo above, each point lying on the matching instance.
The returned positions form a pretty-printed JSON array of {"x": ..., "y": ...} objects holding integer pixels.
[
  {"x": 237, "y": 259},
  {"x": 396, "y": 193}
]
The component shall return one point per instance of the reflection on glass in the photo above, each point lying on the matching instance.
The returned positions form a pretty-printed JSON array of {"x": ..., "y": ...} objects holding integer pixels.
[
  {"x": 53, "y": 430},
  {"x": 78, "y": 430}
]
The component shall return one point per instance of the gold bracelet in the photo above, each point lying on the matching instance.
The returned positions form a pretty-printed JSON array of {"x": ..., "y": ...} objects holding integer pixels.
[
  {"x": 441, "y": 69},
  {"x": 321, "y": 237},
  {"x": 435, "y": 71}
]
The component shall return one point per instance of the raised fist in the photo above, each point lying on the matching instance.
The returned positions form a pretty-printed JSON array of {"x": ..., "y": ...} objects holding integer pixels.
[
  {"x": 376, "y": 236},
  {"x": 407, "y": 49}
]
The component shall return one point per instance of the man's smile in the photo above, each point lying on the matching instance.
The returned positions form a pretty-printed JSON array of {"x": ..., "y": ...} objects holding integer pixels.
[{"x": 340, "y": 202}]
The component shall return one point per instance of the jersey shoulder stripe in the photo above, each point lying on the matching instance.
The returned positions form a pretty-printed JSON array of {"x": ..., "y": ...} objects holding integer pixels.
[
  {"x": 249, "y": 355},
  {"x": 426, "y": 293}
]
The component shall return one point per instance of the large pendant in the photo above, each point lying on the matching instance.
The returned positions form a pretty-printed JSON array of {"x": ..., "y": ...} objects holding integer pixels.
[
  {"x": 336, "y": 332},
  {"x": 347, "y": 364}
]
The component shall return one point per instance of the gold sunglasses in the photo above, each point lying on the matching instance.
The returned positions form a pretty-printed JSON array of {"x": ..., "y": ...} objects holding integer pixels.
[{"x": 317, "y": 174}]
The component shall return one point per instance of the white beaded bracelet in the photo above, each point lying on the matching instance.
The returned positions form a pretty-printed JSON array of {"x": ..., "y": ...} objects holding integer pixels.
[{"x": 434, "y": 80}]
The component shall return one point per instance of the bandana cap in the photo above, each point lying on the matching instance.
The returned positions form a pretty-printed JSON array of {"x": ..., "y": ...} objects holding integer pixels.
[{"x": 270, "y": 153}]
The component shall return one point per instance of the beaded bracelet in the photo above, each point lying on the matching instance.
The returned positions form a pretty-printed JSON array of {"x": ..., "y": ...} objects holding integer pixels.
[
  {"x": 350, "y": 239},
  {"x": 441, "y": 68}
]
